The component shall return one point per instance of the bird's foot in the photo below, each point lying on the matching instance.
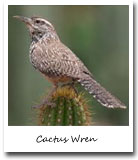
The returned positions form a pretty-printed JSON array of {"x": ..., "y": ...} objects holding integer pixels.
[
  {"x": 45, "y": 103},
  {"x": 71, "y": 86},
  {"x": 48, "y": 100}
]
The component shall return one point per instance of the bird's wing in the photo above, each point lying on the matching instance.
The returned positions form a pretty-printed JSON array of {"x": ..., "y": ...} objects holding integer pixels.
[
  {"x": 58, "y": 59},
  {"x": 71, "y": 65}
]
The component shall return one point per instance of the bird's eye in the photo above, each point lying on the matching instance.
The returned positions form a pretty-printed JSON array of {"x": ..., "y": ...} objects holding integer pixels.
[
  {"x": 37, "y": 21},
  {"x": 40, "y": 22}
]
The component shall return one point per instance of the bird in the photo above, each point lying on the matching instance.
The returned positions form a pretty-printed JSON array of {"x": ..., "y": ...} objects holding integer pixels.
[{"x": 59, "y": 64}]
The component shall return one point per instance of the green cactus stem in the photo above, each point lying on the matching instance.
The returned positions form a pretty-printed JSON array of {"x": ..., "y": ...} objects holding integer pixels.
[{"x": 70, "y": 109}]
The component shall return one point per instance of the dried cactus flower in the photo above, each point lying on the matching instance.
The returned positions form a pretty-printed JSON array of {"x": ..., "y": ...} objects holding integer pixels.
[{"x": 70, "y": 109}]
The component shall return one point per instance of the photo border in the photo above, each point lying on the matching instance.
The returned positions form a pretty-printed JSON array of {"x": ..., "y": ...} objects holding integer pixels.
[{"x": 110, "y": 138}]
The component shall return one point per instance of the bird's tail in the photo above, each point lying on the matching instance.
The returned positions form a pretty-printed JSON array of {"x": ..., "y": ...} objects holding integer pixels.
[{"x": 100, "y": 94}]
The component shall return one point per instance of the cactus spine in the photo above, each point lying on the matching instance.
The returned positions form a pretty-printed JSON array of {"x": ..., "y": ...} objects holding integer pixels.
[{"x": 70, "y": 109}]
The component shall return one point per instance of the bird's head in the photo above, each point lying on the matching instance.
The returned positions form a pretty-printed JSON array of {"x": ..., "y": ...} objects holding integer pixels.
[{"x": 37, "y": 26}]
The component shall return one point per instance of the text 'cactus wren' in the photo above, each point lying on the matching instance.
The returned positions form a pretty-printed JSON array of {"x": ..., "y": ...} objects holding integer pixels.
[{"x": 59, "y": 64}]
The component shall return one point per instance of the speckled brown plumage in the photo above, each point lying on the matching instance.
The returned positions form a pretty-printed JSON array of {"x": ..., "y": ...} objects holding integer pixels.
[{"x": 59, "y": 64}]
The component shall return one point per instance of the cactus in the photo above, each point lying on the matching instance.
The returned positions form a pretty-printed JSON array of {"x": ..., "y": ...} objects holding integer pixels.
[{"x": 70, "y": 109}]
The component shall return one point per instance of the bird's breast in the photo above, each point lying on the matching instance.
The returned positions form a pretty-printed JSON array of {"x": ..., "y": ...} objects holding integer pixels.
[{"x": 38, "y": 57}]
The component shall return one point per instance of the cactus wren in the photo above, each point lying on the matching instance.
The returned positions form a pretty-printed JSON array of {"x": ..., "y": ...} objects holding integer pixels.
[{"x": 59, "y": 64}]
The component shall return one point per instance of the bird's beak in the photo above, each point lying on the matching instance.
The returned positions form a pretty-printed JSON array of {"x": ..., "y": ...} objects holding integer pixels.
[{"x": 26, "y": 20}]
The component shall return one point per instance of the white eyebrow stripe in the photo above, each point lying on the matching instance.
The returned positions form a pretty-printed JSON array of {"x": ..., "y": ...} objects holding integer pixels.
[
  {"x": 48, "y": 22},
  {"x": 45, "y": 21}
]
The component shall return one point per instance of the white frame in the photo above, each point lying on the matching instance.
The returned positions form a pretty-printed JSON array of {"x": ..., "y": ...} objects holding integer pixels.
[{"x": 110, "y": 138}]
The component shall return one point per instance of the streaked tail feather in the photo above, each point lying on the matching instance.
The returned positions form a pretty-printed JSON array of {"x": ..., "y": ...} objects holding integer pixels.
[{"x": 100, "y": 94}]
